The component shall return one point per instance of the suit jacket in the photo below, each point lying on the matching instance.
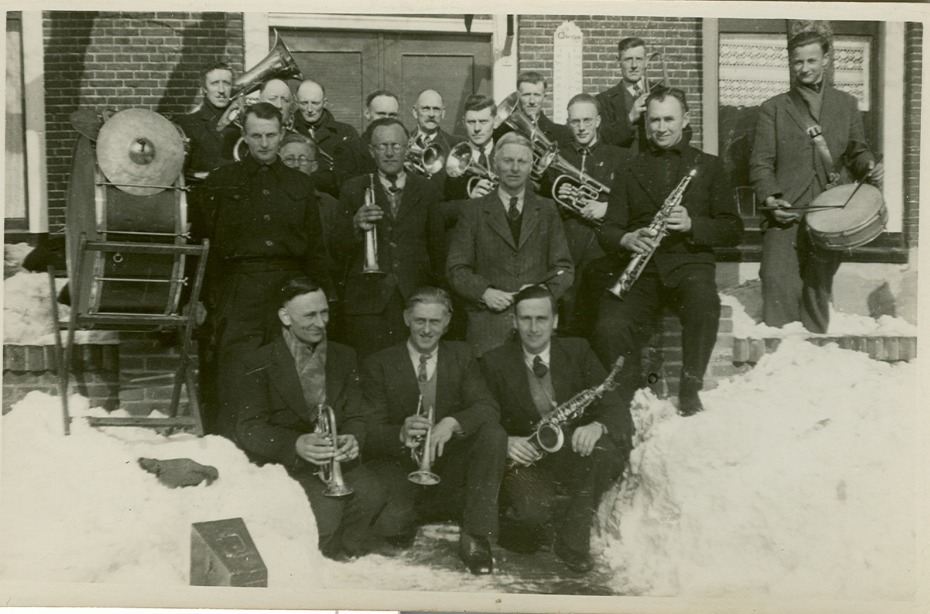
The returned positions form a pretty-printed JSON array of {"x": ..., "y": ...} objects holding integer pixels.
[
  {"x": 209, "y": 148},
  {"x": 636, "y": 197},
  {"x": 327, "y": 136},
  {"x": 483, "y": 253},
  {"x": 272, "y": 410},
  {"x": 391, "y": 390},
  {"x": 573, "y": 367},
  {"x": 352, "y": 158},
  {"x": 784, "y": 159},
  {"x": 409, "y": 246},
  {"x": 615, "y": 118}
]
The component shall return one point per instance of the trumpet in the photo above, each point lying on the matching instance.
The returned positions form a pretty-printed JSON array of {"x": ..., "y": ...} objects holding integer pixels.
[
  {"x": 546, "y": 155},
  {"x": 424, "y": 475},
  {"x": 461, "y": 161},
  {"x": 331, "y": 472},
  {"x": 370, "y": 258},
  {"x": 426, "y": 161}
]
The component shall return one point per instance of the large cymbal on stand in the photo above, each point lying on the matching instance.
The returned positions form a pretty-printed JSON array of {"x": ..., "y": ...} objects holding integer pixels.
[{"x": 140, "y": 152}]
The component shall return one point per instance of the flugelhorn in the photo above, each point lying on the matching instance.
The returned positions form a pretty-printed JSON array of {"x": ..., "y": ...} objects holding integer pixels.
[
  {"x": 546, "y": 155},
  {"x": 461, "y": 161},
  {"x": 426, "y": 161},
  {"x": 424, "y": 475},
  {"x": 370, "y": 258},
  {"x": 331, "y": 472}
]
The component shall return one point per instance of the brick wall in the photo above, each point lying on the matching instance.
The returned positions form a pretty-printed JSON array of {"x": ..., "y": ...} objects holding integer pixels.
[
  {"x": 678, "y": 38},
  {"x": 913, "y": 81},
  {"x": 120, "y": 60}
]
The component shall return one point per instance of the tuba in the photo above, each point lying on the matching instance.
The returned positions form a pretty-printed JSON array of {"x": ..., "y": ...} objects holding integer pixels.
[
  {"x": 546, "y": 155},
  {"x": 426, "y": 161},
  {"x": 549, "y": 435},
  {"x": 370, "y": 258},
  {"x": 330, "y": 473},
  {"x": 279, "y": 64},
  {"x": 461, "y": 161},
  {"x": 424, "y": 475}
]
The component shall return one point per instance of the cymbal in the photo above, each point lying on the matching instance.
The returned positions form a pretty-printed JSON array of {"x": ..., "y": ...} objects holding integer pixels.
[{"x": 140, "y": 151}]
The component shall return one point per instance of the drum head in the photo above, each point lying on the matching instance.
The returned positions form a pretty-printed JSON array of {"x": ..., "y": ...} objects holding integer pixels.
[
  {"x": 863, "y": 207},
  {"x": 137, "y": 148},
  {"x": 81, "y": 210}
]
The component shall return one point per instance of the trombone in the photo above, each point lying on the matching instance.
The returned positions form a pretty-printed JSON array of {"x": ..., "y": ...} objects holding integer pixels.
[
  {"x": 426, "y": 161},
  {"x": 461, "y": 161},
  {"x": 331, "y": 472},
  {"x": 424, "y": 475},
  {"x": 370, "y": 258},
  {"x": 664, "y": 82},
  {"x": 546, "y": 155}
]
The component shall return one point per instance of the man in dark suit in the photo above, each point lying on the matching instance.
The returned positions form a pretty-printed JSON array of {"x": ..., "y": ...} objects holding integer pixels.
[
  {"x": 352, "y": 157},
  {"x": 408, "y": 222},
  {"x": 530, "y": 377},
  {"x": 531, "y": 86},
  {"x": 264, "y": 228},
  {"x": 467, "y": 446},
  {"x": 504, "y": 241},
  {"x": 622, "y": 106},
  {"x": 789, "y": 167},
  {"x": 681, "y": 271},
  {"x": 479, "y": 128},
  {"x": 211, "y": 134},
  {"x": 314, "y": 120},
  {"x": 280, "y": 388},
  {"x": 600, "y": 161}
]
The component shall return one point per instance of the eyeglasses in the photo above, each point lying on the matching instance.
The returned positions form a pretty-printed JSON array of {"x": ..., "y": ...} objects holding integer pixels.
[
  {"x": 301, "y": 160},
  {"x": 392, "y": 147},
  {"x": 586, "y": 122}
]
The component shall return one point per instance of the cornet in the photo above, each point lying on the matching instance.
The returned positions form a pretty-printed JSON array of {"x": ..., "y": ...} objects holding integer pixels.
[
  {"x": 370, "y": 259},
  {"x": 331, "y": 472},
  {"x": 461, "y": 161},
  {"x": 426, "y": 161},
  {"x": 423, "y": 476}
]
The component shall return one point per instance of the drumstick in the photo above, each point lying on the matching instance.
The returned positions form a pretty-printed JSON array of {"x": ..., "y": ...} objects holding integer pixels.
[
  {"x": 859, "y": 183},
  {"x": 865, "y": 178},
  {"x": 541, "y": 282}
]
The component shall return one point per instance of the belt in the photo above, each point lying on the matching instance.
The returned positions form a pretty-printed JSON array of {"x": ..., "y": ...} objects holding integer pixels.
[{"x": 260, "y": 265}]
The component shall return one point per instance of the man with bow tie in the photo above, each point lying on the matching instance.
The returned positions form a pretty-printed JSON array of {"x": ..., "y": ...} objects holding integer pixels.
[
  {"x": 556, "y": 495},
  {"x": 468, "y": 447},
  {"x": 408, "y": 223},
  {"x": 600, "y": 161},
  {"x": 806, "y": 139}
]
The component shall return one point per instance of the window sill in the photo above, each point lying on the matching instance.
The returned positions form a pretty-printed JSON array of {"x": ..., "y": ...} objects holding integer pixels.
[{"x": 888, "y": 248}]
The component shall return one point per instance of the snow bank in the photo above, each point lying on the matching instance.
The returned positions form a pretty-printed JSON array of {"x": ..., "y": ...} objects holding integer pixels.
[
  {"x": 797, "y": 481},
  {"x": 13, "y": 256},
  {"x": 746, "y": 326}
]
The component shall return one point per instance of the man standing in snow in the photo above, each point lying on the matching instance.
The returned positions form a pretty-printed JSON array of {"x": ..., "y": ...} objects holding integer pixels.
[
  {"x": 805, "y": 139},
  {"x": 529, "y": 378},
  {"x": 280, "y": 388},
  {"x": 468, "y": 447}
]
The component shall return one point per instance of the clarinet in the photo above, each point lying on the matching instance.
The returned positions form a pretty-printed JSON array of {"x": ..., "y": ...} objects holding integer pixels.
[{"x": 659, "y": 224}]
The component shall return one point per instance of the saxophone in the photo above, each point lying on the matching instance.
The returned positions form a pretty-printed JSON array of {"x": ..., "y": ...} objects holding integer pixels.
[
  {"x": 548, "y": 435},
  {"x": 658, "y": 224}
]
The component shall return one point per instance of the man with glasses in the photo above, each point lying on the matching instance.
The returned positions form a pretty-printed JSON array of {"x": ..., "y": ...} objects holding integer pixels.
[
  {"x": 600, "y": 161},
  {"x": 408, "y": 224},
  {"x": 315, "y": 121},
  {"x": 299, "y": 152}
]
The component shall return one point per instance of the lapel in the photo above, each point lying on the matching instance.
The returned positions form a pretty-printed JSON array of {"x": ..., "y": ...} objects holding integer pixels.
[
  {"x": 209, "y": 124},
  {"x": 285, "y": 380},
  {"x": 516, "y": 372},
  {"x": 335, "y": 375},
  {"x": 406, "y": 378},
  {"x": 530, "y": 219},
  {"x": 495, "y": 218},
  {"x": 639, "y": 171},
  {"x": 408, "y": 198},
  {"x": 831, "y": 118},
  {"x": 797, "y": 110},
  {"x": 445, "y": 378},
  {"x": 560, "y": 366}
]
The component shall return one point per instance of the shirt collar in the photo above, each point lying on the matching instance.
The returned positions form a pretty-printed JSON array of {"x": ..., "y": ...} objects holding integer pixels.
[
  {"x": 252, "y": 166},
  {"x": 578, "y": 147},
  {"x": 816, "y": 87},
  {"x": 400, "y": 182},
  {"x": 298, "y": 347},
  {"x": 488, "y": 148},
  {"x": 632, "y": 88},
  {"x": 544, "y": 356},
  {"x": 505, "y": 198},
  {"x": 415, "y": 354}
]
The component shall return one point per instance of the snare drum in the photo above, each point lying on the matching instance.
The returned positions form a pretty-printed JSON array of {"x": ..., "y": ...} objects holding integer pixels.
[
  {"x": 857, "y": 223},
  {"x": 122, "y": 282}
]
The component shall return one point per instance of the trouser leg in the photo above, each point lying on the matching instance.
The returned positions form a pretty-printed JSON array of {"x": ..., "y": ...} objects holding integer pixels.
[
  {"x": 818, "y": 267},
  {"x": 696, "y": 301},
  {"x": 781, "y": 276},
  {"x": 398, "y": 518}
]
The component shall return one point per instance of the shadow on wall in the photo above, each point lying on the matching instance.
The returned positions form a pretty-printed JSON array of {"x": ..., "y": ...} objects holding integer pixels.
[{"x": 199, "y": 46}]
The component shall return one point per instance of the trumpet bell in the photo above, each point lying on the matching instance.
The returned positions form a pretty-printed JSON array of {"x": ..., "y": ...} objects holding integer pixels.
[
  {"x": 334, "y": 489},
  {"x": 459, "y": 160},
  {"x": 423, "y": 477}
]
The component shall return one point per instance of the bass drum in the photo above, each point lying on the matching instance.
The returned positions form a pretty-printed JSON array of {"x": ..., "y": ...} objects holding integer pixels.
[
  {"x": 122, "y": 282},
  {"x": 857, "y": 223}
]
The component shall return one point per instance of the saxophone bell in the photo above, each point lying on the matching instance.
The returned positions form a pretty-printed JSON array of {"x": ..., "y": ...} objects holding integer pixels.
[{"x": 549, "y": 437}]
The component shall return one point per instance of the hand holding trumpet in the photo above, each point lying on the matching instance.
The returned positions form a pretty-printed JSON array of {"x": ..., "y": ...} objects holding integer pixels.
[{"x": 318, "y": 449}]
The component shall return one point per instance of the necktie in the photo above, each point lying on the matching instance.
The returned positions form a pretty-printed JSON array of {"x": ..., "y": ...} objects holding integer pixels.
[
  {"x": 421, "y": 371},
  {"x": 637, "y": 91},
  {"x": 512, "y": 212},
  {"x": 483, "y": 160},
  {"x": 393, "y": 193},
  {"x": 539, "y": 367}
]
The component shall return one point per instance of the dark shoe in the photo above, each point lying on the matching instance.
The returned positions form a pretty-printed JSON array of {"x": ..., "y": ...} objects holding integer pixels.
[
  {"x": 689, "y": 404},
  {"x": 475, "y": 552},
  {"x": 579, "y": 562},
  {"x": 403, "y": 542}
]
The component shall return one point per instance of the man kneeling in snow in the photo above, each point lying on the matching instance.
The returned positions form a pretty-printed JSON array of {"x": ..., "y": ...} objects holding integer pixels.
[
  {"x": 554, "y": 496},
  {"x": 281, "y": 387}
]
